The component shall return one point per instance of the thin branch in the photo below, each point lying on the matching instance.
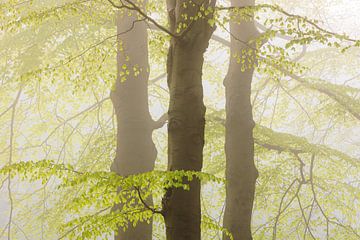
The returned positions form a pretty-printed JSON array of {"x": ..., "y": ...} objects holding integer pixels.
[
  {"x": 158, "y": 78},
  {"x": 4, "y": 230},
  {"x": 274, "y": 108},
  {"x": 70, "y": 59},
  {"x": 75, "y": 227},
  {"x": 302, "y": 165},
  {"x": 310, "y": 215},
  {"x": 299, "y": 104},
  {"x": 73, "y": 117},
  {"x": 307, "y": 224},
  {"x": 21, "y": 230},
  {"x": 314, "y": 195},
  {"x": 101, "y": 42},
  {"x": 11, "y": 142},
  {"x": 136, "y": 8},
  {"x": 13, "y": 104},
  {"x": 161, "y": 121},
  {"x": 47, "y": 12},
  {"x": 295, "y": 16},
  {"x": 145, "y": 204},
  {"x": 281, "y": 210}
]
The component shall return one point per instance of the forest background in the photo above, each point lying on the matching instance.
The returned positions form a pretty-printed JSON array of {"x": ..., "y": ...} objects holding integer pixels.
[{"x": 58, "y": 66}]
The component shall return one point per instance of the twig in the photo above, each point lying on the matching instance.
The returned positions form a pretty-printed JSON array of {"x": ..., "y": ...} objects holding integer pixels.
[
  {"x": 11, "y": 140},
  {"x": 307, "y": 224},
  {"x": 145, "y": 204},
  {"x": 280, "y": 210},
  {"x": 78, "y": 225}
]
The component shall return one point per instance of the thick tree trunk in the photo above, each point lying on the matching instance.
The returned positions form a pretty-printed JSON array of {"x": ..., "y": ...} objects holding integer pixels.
[
  {"x": 182, "y": 210},
  {"x": 135, "y": 152},
  {"x": 241, "y": 172}
]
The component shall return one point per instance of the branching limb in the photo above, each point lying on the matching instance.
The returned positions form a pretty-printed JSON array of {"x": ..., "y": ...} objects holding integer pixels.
[
  {"x": 281, "y": 209},
  {"x": 306, "y": 221},
  {"x": 145, "y": 204},
  {"x": 133, "y": 7}
]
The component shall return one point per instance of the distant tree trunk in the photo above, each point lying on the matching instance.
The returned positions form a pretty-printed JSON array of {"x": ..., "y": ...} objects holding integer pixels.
[
  {"x": 241, "y": 173},
  {"x": 135, "y": 151},
  {"x": 182, "y": 211}
]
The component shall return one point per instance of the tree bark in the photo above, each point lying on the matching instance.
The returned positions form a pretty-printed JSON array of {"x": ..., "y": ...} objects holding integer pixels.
[
  {"x": 182, "y": 210},
  {"x": 241, "y": 173},
  {"x": 135, "y": 151}
]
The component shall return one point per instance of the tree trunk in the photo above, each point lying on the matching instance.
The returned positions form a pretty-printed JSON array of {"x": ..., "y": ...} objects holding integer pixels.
[
  {"x": 182, "y": 210},
  {"x": 241, "y": 172},
  {"x": 135, "y": 151}
]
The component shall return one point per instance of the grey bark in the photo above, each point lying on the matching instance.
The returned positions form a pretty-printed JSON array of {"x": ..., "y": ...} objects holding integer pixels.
[
  {"x": 135, "y": 151},
  {"x": 241, "y": 173},
  {"x": 181, "y": 209}
]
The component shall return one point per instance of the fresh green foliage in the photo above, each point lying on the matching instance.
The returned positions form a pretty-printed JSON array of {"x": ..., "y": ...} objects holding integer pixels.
[{"x": 126, "y": 196}]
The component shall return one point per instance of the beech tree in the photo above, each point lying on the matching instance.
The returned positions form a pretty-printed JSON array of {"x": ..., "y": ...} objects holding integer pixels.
[
  {"x": 182, "y": 210},
  {"x": 130, "y": 100},
  {"x": 241, "y": 173}
]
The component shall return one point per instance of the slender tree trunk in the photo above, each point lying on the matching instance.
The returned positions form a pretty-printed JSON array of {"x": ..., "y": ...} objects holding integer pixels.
[
  {"x": 182, "y": 210},
  {"x": 135, "y": 152},
  {"x": 241, "y": 172}
]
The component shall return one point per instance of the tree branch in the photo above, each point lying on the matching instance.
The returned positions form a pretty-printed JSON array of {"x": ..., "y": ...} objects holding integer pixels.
[
  {"x": 11, "y": 140},
  {"x": 133, "y": 7},
  {"x": 161, "y": 121},
  {"x": 145, "y": 204},
  {"x": 295, "y": 16}
]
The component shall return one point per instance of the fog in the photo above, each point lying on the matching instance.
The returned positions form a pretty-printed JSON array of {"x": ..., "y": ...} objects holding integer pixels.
[{"x": 179, "y": 119}]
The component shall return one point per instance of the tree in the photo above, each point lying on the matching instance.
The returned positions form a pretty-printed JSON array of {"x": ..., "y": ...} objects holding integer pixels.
[
  {"x": 130, "y": 100},
  {"x": 182, "y": 210},
  {"x": 241, "y": 173}
]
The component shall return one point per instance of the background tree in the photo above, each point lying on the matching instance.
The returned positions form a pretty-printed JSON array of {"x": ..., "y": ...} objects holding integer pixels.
[
  {"x": 135, "y": 151},
  {"x": 241, "y": 173}
]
